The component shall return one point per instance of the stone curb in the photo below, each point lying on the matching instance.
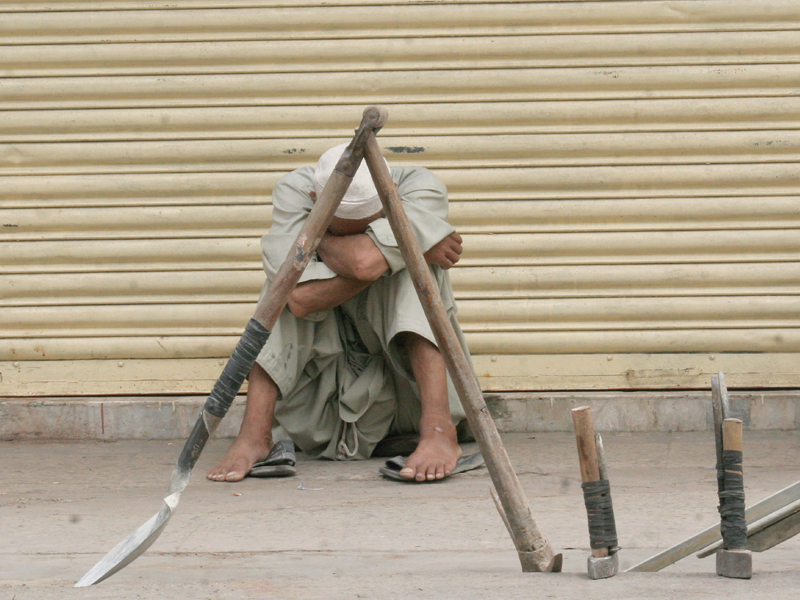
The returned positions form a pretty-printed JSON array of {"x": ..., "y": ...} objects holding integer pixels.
[
  {"x": 642, "y": 411},
  {"x": 172, "y": 417}
]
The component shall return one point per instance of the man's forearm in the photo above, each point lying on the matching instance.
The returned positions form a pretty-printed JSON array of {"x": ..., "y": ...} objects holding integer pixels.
[
  {"x": 323, "y": 294},
  {"x": 353, "y": 256}
]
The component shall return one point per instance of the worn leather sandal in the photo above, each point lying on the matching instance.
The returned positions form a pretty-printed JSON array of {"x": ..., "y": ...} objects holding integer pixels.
[
  {"x": 393, "y": 466},
  {"x": 279, "y": 463}
]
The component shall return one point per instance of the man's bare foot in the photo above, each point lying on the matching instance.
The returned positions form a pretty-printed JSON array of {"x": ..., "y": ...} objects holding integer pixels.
[
  {"x": 239, "y": 458},
  {"x": 435, "y": 456}
]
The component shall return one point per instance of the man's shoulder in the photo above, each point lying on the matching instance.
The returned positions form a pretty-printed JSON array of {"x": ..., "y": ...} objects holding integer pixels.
[
  {"x": 415, "y": 177},
  {"x": 406, "y": 171},
  {"x": 293, "y": 187},
  {"x": 299, "y": 177}
]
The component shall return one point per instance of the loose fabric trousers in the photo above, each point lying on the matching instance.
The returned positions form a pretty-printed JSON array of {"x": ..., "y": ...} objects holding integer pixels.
[{"x": 345, "y": 380}]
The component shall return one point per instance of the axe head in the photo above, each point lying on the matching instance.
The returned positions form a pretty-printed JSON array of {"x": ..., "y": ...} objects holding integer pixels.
[
  {"x": 735, "y": 563},
  {"x": 603, "y": 567}
]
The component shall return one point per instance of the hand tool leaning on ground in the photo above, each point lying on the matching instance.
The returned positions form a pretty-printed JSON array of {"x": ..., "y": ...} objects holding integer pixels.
[
  {"x": 245, "y": 353},
  {"x": 535, "y": 553},
  {"x": 733, "y": 559},
  {"x": 719, "y": 405},
  {"x": 604, "y": 561},
  {"x": 769, "y": 522},
  {"x": 763, "y": 532}
]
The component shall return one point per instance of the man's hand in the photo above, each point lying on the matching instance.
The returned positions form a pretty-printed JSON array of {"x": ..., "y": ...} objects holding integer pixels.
[{"x": 446, "y": 253}]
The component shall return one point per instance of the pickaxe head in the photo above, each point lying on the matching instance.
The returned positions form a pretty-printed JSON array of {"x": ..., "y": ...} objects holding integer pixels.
[
  {"x": 737, "y": 564},
  {"x": 601, "y": 567}
]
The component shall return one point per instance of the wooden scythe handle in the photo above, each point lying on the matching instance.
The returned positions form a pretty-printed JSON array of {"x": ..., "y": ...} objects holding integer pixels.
[{"x": 534, "y": 551}]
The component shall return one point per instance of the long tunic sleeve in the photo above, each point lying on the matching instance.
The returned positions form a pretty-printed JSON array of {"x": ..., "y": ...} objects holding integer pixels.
[{"x": 424, "y": 199}]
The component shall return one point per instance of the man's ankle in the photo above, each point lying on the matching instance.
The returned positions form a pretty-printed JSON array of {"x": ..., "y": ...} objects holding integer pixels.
[
  {"x": 437, "y": 426},
  {"x": 254, "y": 436}
]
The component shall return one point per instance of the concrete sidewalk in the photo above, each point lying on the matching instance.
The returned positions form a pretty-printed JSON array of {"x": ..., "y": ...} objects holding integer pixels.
[{"x": 338, "y": 530}]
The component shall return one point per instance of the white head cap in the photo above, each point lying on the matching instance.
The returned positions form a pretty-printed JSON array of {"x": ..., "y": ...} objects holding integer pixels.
[{"x": 361, "y": 199}]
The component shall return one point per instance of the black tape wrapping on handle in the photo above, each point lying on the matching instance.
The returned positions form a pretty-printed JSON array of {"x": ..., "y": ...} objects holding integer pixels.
[
  {"x": 733, "y": 524},
  {"x": 602, "y": 528},
  {"x": 193, "y": 447},
  {"x": 233, "y": 375}
]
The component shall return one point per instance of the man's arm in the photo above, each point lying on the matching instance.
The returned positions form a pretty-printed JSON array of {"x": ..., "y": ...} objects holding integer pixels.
[
  {"x": 323, "y": 294},
  {"x": 353, "y": 256},
  {"x": 358, "y": 257},
  {"x": 424, "y": 199}
]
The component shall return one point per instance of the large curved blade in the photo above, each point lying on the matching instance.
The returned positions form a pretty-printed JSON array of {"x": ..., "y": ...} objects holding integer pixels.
[
  {"x": 140, "y": 540},
  {"x": 244, "y": 355},
  {"x": 132, "y": 546}
]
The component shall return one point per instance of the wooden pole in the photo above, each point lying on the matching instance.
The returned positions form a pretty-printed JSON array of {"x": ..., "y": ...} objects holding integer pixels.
[
  {"x": 534, "y": 551},
  {"x": 587, "y": 453}
]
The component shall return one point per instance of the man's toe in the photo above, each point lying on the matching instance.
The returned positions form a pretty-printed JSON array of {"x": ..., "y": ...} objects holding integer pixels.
[
  {"x": 234, "y": 476},
  {"x": 407, "y": 472}
]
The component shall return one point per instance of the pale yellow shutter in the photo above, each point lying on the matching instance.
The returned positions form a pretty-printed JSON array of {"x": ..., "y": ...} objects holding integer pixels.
[{"x": 625, "y": 175}]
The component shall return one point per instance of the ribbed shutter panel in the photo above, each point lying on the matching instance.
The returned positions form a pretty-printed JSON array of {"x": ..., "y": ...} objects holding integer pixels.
[{"x": 624, "y": 174}]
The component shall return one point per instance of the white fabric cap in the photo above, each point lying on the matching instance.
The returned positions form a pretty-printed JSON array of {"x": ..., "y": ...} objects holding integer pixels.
[{"x": 361, "y": 199}]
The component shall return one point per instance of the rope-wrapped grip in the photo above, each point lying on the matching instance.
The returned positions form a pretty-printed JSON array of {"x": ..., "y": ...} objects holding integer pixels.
[
  {"x": 600, "y": 513},
  {"x": 733, "y": 525},
  {"x": 233, "y": 375}
]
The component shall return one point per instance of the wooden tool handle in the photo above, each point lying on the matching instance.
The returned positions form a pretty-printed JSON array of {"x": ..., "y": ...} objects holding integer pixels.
[
  {"x": 587, "y": 453},
  {"x": 587, "y": 449},
  {"x": 534, "y": 551},
  {"x": 732, "y": 434},
  {"x": 376, "y": 117}
]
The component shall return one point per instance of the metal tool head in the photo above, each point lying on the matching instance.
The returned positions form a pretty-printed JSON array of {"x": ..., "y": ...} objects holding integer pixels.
[
  {"x": 764, "y": 512},
  {"x": 602, "y": 567},
  {"x": 605, "y": 566},
  {"x": 779, "y": 527},
  {"x": 737, "y": 564},
  {"x": 132, "y": 546},
  {"x": 140, "y": 540},
  {"x": 601, "y": 456}
]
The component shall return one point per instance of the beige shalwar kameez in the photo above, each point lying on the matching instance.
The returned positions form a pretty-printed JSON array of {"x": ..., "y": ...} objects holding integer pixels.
[{"x": 344, "y": 381}]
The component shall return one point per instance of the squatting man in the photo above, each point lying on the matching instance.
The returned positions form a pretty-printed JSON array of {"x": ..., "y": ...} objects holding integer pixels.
[{"x": 352, "y": 359}]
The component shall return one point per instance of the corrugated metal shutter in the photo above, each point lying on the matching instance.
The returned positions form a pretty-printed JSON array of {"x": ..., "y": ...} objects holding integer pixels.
[{"x": 624, "y": 173}]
